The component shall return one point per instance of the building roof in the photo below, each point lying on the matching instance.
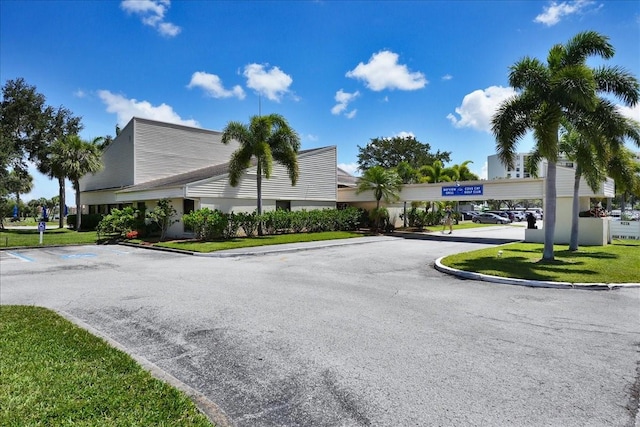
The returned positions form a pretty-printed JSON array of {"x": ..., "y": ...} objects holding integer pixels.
[
  {"x": 192, "y": 176},
  {"x": 345, "y": 179}
]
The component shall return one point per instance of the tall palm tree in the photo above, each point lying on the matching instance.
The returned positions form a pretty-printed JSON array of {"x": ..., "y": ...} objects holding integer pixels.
[
  {"x": 564, "y": 88},
  {"x": 265, "y": 139},
  {"x": 434, "y": 173},
  {"x": 385, "y": 183},
  {"x": 73, "y": 158}
]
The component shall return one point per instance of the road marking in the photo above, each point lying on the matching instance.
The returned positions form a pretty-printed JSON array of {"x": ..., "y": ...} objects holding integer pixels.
[
  {"x": 20, "y": 257},
  {"x": 113, "y": 250},
  {"x": 73, "y": 256}
]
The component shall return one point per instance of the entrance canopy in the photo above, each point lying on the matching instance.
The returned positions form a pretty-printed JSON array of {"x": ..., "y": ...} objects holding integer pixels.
[{"x": 497, "y": 189}]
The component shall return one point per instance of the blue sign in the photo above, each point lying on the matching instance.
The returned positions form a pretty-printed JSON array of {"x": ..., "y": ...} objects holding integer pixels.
[
  {"x": 42, "y": 226},
  {"x": 15, "y": 211},
  {"x": 462, "y": 190}
]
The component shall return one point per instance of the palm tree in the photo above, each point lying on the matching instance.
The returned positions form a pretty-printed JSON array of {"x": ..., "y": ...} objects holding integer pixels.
[
  {"x": 564, "y": 88},
  {"x": 385, "y": 183},
  {"x": 19, "y": 182},
  {"x": 265, "y": 139},
  {"x": 434, "y": 173},
  {"x": 73, "y": 158},
  {"x": 461, "y": 172}
]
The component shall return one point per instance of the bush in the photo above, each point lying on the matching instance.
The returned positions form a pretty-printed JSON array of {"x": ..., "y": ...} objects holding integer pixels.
[
  {"x": 207, "y": 224},
  {"x": 119, "y": 222},
  {"x": 89, "y": 221},
  {"x": 276, "y": 222},
  {"x": 248, "y": 222},
  {"x": 162, "y": 216}
]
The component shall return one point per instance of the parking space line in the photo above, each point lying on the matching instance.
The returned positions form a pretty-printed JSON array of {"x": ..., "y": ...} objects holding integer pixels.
[
  {"x": 20, "y": 257},
  {"x": 73, "y": 256}
]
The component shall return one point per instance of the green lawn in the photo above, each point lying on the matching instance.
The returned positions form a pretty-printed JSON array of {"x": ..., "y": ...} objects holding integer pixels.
[
  {"x": 54, "y": 236},
  {"x": 615, "y": 263},
  {"x": 247, "y": 242},
  {"x": 56, "y": 374}
]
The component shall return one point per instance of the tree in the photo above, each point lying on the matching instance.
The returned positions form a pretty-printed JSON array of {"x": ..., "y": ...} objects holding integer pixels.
[
  {"x": 61, "y": 124},
  {"x": 461, "y": 172},
  {"x": 564, "y": 88},
  {"x": 434, "y": 173},
  {"x": 385, "y": 184},
  {"x": 162, "y": 215},
  {"x": 597, "y": 150},
  {"x": 73, "y": 158},
  {"x": 22, "y": 127},
  {"x": 19, "y": 182},
  {"x": 390, "y": 152},
  {"x": 265, "y": 139}
]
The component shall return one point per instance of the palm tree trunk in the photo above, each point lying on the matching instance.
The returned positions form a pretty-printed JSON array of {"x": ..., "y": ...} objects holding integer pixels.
[
  {"x": 549, "y": 211},
  {"x": 259, "y": 188},
  {"x": 18, "y": 205},
  {"x": 62, "y": 202},
  {"x": 575, "y": 210},
  {"x": 76, "y": 186}
]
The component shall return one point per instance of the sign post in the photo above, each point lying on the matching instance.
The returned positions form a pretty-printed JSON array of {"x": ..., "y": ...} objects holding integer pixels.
[{"x": 41, "y": 227}]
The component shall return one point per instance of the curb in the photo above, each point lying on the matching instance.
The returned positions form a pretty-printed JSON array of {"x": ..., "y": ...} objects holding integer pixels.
[
  {"x": 212, "y": 411},
  {"x": 530, "y": 283}
]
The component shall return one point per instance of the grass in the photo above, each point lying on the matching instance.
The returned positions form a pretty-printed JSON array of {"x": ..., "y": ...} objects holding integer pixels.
[
  {"x": 54, "y": 373},
  {"x": 51, "y": 237},
  {"x": 246, "y": 242},
  {"x": 615, "y": 263}
]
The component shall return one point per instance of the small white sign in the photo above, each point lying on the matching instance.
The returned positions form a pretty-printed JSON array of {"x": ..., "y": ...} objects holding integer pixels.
[
  {"x": 42, "y": 226},
  {"x": 629, "y": 230}
]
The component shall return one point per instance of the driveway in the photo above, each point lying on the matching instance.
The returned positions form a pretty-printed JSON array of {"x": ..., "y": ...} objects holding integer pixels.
[{"x": 352, "y": 335}]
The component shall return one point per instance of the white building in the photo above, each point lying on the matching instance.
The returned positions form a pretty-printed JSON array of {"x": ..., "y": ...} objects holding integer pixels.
[
  {"x": 497, "y": 170},
  {"x": 151, "y": 160}
]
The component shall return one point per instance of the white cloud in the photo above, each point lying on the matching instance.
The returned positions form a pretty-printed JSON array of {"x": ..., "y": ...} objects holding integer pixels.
[
  {"x": 484, "y": 172},
  {"x": 80, "y": 93},
  {"x": 383, "y": 72},
  {"x": 152, "y": 14},
  {"x": 351, "y": 168},
  {"x": 630, "y": 112},
  {"x": 447, "y": 77},
  {"x": 312, "y": 138},
  {"x": 404, "y": 134},
  {"x": 343, "y": 99},
  {"x": 212, "y": 85},
  {"x": 479, "y": 106},
  {"x": 556, "y": 11},
  {"x": 272, "y": 83},
  {"x": 128, "y": 108}
]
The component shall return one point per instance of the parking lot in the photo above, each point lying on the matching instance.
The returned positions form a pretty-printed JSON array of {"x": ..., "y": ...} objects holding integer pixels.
[{"x": 351, "y": 335}]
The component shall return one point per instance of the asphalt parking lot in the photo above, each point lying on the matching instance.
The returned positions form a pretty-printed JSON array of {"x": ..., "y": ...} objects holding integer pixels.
[{"x": 351, "y": 335}]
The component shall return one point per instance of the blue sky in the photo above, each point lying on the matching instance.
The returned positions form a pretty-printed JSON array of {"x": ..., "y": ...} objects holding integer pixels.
[{"x": 341, "y": 72}]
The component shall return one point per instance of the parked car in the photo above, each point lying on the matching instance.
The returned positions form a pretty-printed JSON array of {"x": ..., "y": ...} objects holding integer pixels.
[
  {"x": 503, "y": 214},
  {"x": 467, "y": 215},
  {"x": 490, "y": 218},
  {"x": 518, "y": 215}
]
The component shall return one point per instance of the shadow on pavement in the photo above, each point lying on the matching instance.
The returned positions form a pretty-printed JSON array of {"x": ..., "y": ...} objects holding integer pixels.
[{"x": 451, "y": 238}]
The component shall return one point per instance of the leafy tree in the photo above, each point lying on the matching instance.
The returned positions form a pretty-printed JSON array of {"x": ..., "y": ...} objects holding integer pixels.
[
  {"x": 564, "y": 88},
  {"x": 73, "y": 158},
  {"x": 434, "y": 173},
  {"x": 265, "y": 139},
  {"x": 385, "y": 184},
  {"x": 390, "y": 152},
  {"x": 19, "y": 182},
  {"x": 163, "y": 215},
  {"x": 407, "y": 173}
]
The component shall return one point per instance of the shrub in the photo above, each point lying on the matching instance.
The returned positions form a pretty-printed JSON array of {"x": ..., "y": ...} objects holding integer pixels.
[
  {"x": 162, "y": 216},
  {"x": 276, "y": 222},
  {"x": 119, "y": 222},
  {"x": 248, "y": 222},
  {"x": 207, "y": 224}
]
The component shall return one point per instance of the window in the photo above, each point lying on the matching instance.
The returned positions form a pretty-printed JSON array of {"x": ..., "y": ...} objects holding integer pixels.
[
  {"x": 188, "y": 206},
  {"x": 284, "y": 205}
]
